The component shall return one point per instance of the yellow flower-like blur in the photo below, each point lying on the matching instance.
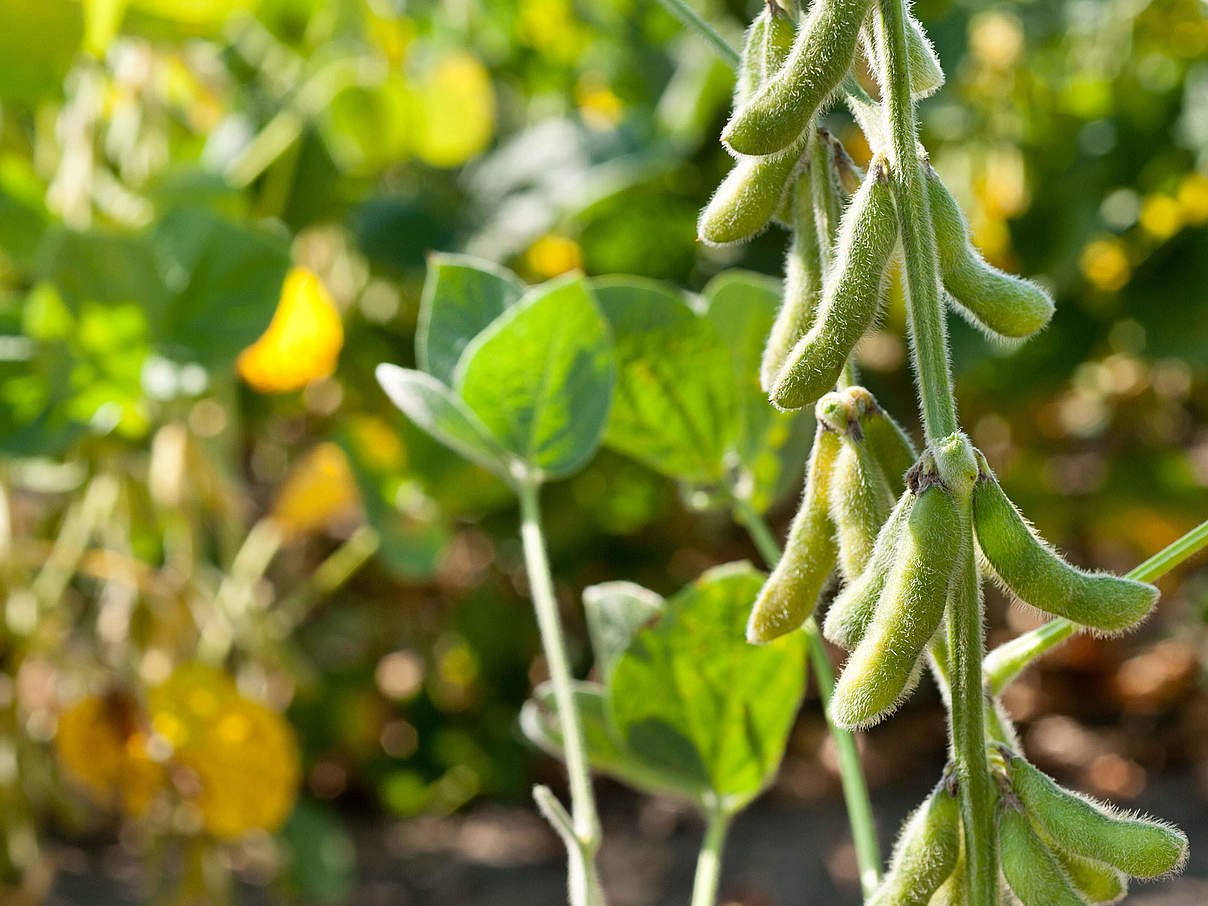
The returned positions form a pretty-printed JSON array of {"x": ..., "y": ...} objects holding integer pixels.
[
  {"x": 302, "y": 342},
  {"x": 1105, "y": 264},
  {"x": 455, "y": 111},
  {"x": 238, "y": 760},
  {"x": 552, "y": 255},
  {"x": 1193, "y": 196},
  {"x": 319, "y": 490},
  {"x": 103, "y": 748},
  {"x": 1161, "y": 216}
]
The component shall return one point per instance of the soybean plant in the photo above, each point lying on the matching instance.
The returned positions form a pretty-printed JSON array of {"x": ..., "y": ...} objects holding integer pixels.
[{"x": 912, "y": 571}]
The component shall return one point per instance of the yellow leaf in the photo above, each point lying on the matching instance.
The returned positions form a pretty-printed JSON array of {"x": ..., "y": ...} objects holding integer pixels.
[{"x": 303, "y": 341}]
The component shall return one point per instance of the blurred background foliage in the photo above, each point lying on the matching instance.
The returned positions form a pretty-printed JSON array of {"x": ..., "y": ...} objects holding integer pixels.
[{"x": 214, "y": 217}]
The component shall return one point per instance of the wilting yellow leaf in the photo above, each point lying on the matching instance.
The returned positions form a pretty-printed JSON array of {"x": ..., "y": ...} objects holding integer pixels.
[
  {"x": 319, "y": 490},
  {"x": 303, "y": 341}
]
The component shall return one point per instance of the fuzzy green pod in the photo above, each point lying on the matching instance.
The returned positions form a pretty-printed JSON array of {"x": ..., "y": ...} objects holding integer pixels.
[
  {"x": 860, "y": 502},
  {"x": 926, "y": 853},
  {"x": 890, "y": 445},
  {"x": 1096, "y": 882},
  {"x": 750, "y": 65},
  {"x": 926, "y": 74},
  {"x": 1039, "y": 577},
  {"x": 886, "y": 664},
  {"x": 999, "y": 303},
  {"x": 789, "y": 595},
  {"x": 802, "y": 289},
  {"x": 850, "y": 296},
  {"x": 827, "y": 194},
  {"x": 853, "y": 608},
  {"x": 1139, "y": 847},
  {"x": 784, "y": 107},
  {"x": 749, "y": 196},
  {"x": 1032, "y": 872}
]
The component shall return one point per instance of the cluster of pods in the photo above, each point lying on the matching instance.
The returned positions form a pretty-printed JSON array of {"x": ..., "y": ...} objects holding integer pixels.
[{"x": 909, "y": 535}]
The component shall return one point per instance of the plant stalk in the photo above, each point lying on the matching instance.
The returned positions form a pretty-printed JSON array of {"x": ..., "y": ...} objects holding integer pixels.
[
  {"x": 693, "y": 20},
  {"x": 584, "y": 885},
  {"x": 708, "y": 861},
  {"x": 851, "y": 776},
  {"x": 926, "y": 315},
  {"x": 929, "y": 346}
]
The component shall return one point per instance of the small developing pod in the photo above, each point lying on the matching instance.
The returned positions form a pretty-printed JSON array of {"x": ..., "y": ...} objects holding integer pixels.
[
  {"x": 886, "y": 664},
  {"x": 926, "y": 74},
  {"x": 860, "y": 502},
  {"x": 926, "y": 853},
  {"x": 853, "y": 608},
  {"x": 750, "y": 64},
  {"x": 789, "y": 595},
  {"x": 998, "y": 303},
  {"x": 1031, "y": 870},
  {"x": 827, "y": 195},
  {"x": 889, "y": 443},
  {"x": 850, "y": 296},
  {"x": 785, "y": 106},
  {"x": 1139, "y": 847},
  {"x": 802, "y": 288},
  {"x": 1096, "y": 882},
  {"x": 1038, "y": 576}
]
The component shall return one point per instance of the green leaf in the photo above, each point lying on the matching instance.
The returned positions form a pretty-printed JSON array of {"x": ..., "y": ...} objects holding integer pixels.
[
  {"x": 675, "y": 406},
  {"x": 321, "y": 857},
  {"x": 462, "y": 296},
  {"x": 606, "y": 752},
  {"x": 38, "y": 42},
  {"x": 615, "y": 611},
  {"x": 541, "y": 377},
  {"x": 100, "y": 267},
  {"x": 436, "y": 409},
  {"x": 771, "y": 445},
  {"x": 691, "y": 691},
  {"x": 223, "y": 281}
]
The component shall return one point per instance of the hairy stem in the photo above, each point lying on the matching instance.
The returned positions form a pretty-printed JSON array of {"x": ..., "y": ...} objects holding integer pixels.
[
  {"x": 851, "y": 776},
  {"x": 585, "y": 824},
  {"x": 965, "y": 616},
  {"x": 692, "y": 19},
  {"x": 1007, "y": 661},
  {"x": 708, "y": 861},
  {"x": 927, "y": 328}
]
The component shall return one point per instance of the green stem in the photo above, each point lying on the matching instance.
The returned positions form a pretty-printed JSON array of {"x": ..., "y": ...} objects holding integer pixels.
[
  {"x": 926, "y": 315},
  {"x": 1007, "y": 661},
  {"x": 692, "y": 19},
  {"x": 708, "y": 862},
  {"x": 585, "y": 887},
  {"x": 855, "y": 790},
  {"x": 965, "y": 614}
]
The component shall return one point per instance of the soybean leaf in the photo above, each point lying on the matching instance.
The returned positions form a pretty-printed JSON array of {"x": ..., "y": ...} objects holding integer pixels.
[
  {"x": 606, "y": 752},
  {"x": 675, "y": 407},
  {"x": 541, "y": 377},
  {"x": 689, "y": 693},
  {"x": 462, "y": 296},
  {"x": 770, "y": 444},
  {"x": 615, "y": 611},
  {"x": 223, "y": 281},
  {"x": 437, "y": 409}
]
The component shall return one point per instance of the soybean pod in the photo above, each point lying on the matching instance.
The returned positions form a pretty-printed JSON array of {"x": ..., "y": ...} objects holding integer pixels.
[
  {"x": 886, "y": 664},
  {"x": 853, "y": 608},
  {"x": 802, "y": 288},
  {"x": 785, "y": 106},
  {"x": 926, "y": 74},
  {"x": 789, "y": 595},
  {"x": 749, "y": 196},
  {"x": 889, "y": 443},
  {"x": 1004, "y": 305},
  {"x": 1097, "y": 882},
  {"x": 750, "y": 65},
  {"x": 850, "y": 296},
  {"x": 1039, "y": 577},
  {"x": 860, "y": 502},
  {"x": 1139, "y": 847},
  {"x": 1031, "y": 870},
  {"x": 926, "y": 853}
]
